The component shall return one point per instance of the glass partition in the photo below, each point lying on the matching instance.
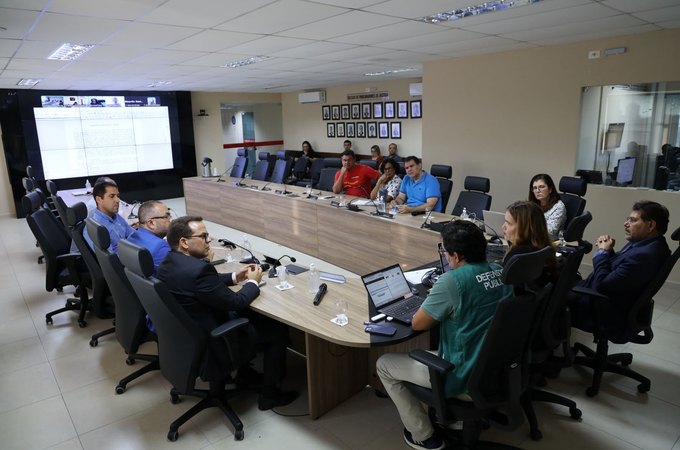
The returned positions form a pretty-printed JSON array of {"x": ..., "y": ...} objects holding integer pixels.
[{"x": 630, "y": 135}]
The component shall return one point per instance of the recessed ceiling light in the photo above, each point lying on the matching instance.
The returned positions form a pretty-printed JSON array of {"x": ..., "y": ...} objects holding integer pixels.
[
  {"x": 246, "y": 62},
  {"x": 70, "y": 52},
  {"x": 476, "y": 10},
  {"x": 158, "y": 83},
  {"x": 28, "y": 82},
  {"x": 388, "y": 72}
]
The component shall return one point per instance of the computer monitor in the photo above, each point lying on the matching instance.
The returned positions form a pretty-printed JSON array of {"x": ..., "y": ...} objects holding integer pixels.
[{"x": 626, "y": 170}]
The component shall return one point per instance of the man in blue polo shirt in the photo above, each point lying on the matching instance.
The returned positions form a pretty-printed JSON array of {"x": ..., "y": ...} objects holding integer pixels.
[
  {"x": 154, "y": 221},
  {"x": 419, "y": 190},
  {"x": 108, "y": 201}
]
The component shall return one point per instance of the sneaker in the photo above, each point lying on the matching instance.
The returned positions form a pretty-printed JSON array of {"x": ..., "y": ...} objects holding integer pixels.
[
  {"x": 434, "y": 442},
  {"x": 279, "y": 399}
]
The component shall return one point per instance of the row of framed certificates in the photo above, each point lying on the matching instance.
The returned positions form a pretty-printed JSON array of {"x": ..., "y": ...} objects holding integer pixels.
[
  {"x": 375, "y": 110},
  {"x": 380, "y": 130}
]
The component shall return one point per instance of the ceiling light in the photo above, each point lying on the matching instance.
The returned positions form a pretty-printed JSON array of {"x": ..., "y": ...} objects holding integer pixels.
[
  {"x": 476, "y": 10},
  {"x": 246, "y": 62},
  {"x": 158, "y": 83},
  {"x": 389, "y": 72},
  {"x": 70, "y": 52},
  {"x": 28, "y": 82}
]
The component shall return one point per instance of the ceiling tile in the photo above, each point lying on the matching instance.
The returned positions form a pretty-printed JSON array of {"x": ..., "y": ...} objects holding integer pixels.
[
  {"x": 340, "y": 25},
  {"x": 268, "y": 45},
  {"x": 660, "y": 15},
  {"x": 637, "y": 5},
  {"x": 423, "y": 43},
  {"x": 110, "y": 9},
  {"x": 392, "y": 32},
  {"x": 74, "y": 30},
  {"x": 16, "y": 22},
  {"x": 150, "y": 35},
  {"x": 8, "y": 47},
  {"x": 206, "y": 14},
  {"x": 313, "y": 50},
  {"x": 213, "y": 40}
]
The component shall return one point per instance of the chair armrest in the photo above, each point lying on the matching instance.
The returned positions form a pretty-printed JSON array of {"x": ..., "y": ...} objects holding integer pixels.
[
  {"x": 589, "y": 292},
  {"x": 227, "y": 328},
  {"x": 432, "y": 361},
  {"x": 237, "y": 350},
  {"x": 69, "y": 256}
]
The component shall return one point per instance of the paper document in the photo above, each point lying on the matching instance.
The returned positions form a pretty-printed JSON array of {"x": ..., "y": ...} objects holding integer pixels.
[
  {"x": 362, "y": 202},
  {"x": 416, "y": 276}
]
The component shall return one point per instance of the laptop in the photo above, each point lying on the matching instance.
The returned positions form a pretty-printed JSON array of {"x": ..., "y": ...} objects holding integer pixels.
[
  {"x": 391, "y": 294},
  {"x": 493, "y": 222}
]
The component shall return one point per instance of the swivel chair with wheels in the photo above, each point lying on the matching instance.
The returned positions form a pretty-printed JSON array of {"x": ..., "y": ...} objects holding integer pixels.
[
  {"x": 182, "y": 344},
  {"x": 131, "y": 329},
  {"x": 500, "y": 374},
  {"x": 638, "y": 330},
  {"x": 475, "y": 198},
  {"x": 572, "y": 190}
]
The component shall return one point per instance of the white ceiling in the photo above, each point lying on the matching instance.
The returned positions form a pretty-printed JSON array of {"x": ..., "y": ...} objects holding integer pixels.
[{"x": 313, "y": 43}]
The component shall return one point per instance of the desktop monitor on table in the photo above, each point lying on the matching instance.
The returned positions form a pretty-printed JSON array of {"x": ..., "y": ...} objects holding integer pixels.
[{"x": 626, "y": 170}]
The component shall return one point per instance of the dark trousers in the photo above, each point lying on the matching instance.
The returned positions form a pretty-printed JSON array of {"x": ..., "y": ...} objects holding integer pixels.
[{"x": 270, "y": 337}]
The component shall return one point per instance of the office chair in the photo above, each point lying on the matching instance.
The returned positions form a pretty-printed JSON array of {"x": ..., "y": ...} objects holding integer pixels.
[
  {"x": 553, "y": 331},
  {"x": 500, "y": 374},
  {"x": 299, "y": 170},
  {"x": 58, "y": 202},
  {"x": 443, "y": 173},
  {"x": 313, "y": 174},
  {"x": 282, "y": 168},
  {"x": 240, "y": 163},
  {"x": 638, "y": 330},
  {"x": 261, "y": 167},
  {"x": 75, "y": 217},
  {"x": 327, "y": 179},
  {"x": 182, "y": 344},
  {"x": 332, "y": 162},
  {"x": 572, "y": 190},
  {"x": 62, "y": 267},
  {"x": 369, "y": 162},
  {"x": 131, "y": 329},
  {"x": 575, "y": 229},
  {"x": 475, "y": 199}
]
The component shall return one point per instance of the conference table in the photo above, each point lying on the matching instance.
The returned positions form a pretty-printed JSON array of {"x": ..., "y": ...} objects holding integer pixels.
[{"x": 340, "y": 360}]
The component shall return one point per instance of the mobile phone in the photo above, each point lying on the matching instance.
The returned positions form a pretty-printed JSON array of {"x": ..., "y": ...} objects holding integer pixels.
[{"x": 382, "y": 330}]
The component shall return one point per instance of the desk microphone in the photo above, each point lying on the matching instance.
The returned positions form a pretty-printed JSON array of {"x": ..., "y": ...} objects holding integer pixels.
[
  {"x": 265, "y": 188},
  {"x": 495, "y": 239},
  {"x": 241, "y": 183},
  {"x": 427, "y": 217},
  {"x": 272, "y": 271},
  {"x": 251, "y": 260},
  {"x": 320, "y": 293},
  {"x": 224, "y": 173},
  {"x": 351, "y": 206}
]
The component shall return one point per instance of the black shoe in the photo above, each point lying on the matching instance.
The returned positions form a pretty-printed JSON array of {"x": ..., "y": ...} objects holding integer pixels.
[
  {"x": 279, "y": 399},
  {"x": 247, "y": 377}
]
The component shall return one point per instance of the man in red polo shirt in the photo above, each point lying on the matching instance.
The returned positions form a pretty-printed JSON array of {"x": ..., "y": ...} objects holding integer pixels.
[{"x": 354, "y": 179}]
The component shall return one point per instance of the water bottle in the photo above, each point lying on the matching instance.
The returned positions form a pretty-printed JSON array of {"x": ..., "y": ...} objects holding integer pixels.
[
  {"x": 314, "y": 279},
  {"x": 464, "y": 215},
  {"x": 245, "y": 251},
  {"x": 381, "y": 204},
  {"x": 88, "y": 186}
]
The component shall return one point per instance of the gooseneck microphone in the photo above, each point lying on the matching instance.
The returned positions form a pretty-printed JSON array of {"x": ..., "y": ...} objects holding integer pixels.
[
  {"x": 265, "y": 188},
  {"x": 427, "y": 217},
  {"x": 251, "y": 260},
  {"x": 277, "y": 263},
  {"x": 323, "y": 288},
  {"x": 224, "y": 173}
]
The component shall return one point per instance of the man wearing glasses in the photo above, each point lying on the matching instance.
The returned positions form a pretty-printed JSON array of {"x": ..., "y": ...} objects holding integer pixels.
[
  {"x": 154, "y": 221},
  {"x": 205, "y": 296},
  {"x": 622, "y": 276}
]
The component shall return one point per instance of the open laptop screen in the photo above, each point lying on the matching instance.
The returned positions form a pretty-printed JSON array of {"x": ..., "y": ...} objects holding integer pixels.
[{"x": 386, "y": 285}]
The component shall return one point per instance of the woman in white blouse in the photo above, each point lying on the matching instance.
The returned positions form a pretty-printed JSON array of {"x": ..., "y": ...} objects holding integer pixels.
[
  {"x": 389, "y": 180},
  {"x": 542, "y": 191}
]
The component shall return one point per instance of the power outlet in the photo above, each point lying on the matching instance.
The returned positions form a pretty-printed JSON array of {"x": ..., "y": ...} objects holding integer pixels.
[{"x": 593, "y": 54}]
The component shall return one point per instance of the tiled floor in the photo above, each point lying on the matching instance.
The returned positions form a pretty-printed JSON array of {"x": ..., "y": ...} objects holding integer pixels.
[{"x": 57, "y": 392}]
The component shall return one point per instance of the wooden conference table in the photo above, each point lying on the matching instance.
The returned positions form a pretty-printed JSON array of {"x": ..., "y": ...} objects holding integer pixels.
[{"x": 340, "y": 360}]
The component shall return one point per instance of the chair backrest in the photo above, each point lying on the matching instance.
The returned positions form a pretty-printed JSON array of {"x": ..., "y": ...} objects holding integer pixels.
[
  {"x": 239, "y": 168},
  {"x": 281, "y": 170},
  {"x": 51, "y": 238},
  {"x": 261, "y": 169},
  {"x": 370, "y": 163},
  {"x": 181, "y": 342},
  {"x": 332, "y": 162},
  {"x": 131, "y": 328},
  {"x": 475, "y": 198},
  {"x": 572, "y": 189},
  {"x": 315, "y": 170},
  {"x": 443, "y": 173},
  {"x": 641, "y": 312},
  {"x": 75, "y": 218},
  {"x": 575, "y": 229},
  {"x": 300, "y": 167},
  {"x": 327, "y": 179}
]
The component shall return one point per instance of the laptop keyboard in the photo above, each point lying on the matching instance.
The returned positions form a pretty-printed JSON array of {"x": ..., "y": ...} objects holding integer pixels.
[{"x": 403, "y": 309}]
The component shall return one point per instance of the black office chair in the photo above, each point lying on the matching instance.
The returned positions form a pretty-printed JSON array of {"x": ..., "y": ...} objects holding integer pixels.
[
  {"x": 572, "y": 190},
  {"x": 638, "y": 330},
  {"x": 575, "y": 229},
  {"x": 327, "y": 179},
  {"x": 75, "y": 217},
  {"x": 443, "y": 173},
  {"x": 500, "y": 375},
  {"x": 182, "y": 345},
  {"x": 261, "y": 167},
  {"x": 553, "y": 331},
  {"x": 369, "y": 162},
  {"x": 332, "y": 162},
  {"x": 240, "y": 163},
  {"x": 62, "y": 268},
  {"x": 313, "y": 174},
  {"x": 475, "y": 199},
  {"x": 131, "y": 329}
]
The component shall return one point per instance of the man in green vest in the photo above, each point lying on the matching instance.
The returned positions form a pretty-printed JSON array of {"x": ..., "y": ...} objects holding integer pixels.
[{"x": 462, "y": 302}]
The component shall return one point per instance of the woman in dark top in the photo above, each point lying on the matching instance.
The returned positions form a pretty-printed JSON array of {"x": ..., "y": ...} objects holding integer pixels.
[
  {"x": 526, "y": 231},
  {"x": 308, "y": 151}
]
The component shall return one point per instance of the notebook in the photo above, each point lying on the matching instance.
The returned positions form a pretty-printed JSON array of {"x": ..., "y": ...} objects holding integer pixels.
[{"x": 391, "y": 294}]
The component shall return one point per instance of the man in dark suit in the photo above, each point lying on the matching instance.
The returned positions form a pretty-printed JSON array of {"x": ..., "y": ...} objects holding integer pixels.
[
  {"x": 622, "y": 276},
  {"x": 204, "y": 294}
]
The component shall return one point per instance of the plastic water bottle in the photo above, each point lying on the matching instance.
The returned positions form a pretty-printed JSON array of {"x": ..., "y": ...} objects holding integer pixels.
[
  {"x": 314, "y": 280},
  {"x": 245, "y": 251},
  {"x": 381, "y": 204},
  {"x": 464, "y": 215},
  {"x": 88, "y": 186}
]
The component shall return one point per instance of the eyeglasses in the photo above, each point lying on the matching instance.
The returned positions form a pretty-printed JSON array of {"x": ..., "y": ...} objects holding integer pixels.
[
  {"x": 540, "y": 188},
  {"x": 166, "y": 216},
  {"x": 386, "y": 169},
  {"x": 204, "y": 236},
  {"x": 632, "y": 219}
]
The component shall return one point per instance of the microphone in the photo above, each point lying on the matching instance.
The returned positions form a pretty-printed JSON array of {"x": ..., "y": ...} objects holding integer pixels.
[
  {"x": 377, "y": 211},
  {"x": 265, "y": 188},
  {"x": 427, "y": 217},
  {"x": 241, "y": 183},
  {"x": 496, "y": 238},
  {"x": 272, "y": 271},
  {"x": 320, "y": 293},
  {"x": 224, "y": 173},
  {"x": 251, "y": 260},
  {"x": 352, "y": 207}
]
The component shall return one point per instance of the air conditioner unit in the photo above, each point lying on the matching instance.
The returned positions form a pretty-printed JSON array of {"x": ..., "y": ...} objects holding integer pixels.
[
  {"x": 415, "y": 89},
  {"x": 312, "y": 97}
]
